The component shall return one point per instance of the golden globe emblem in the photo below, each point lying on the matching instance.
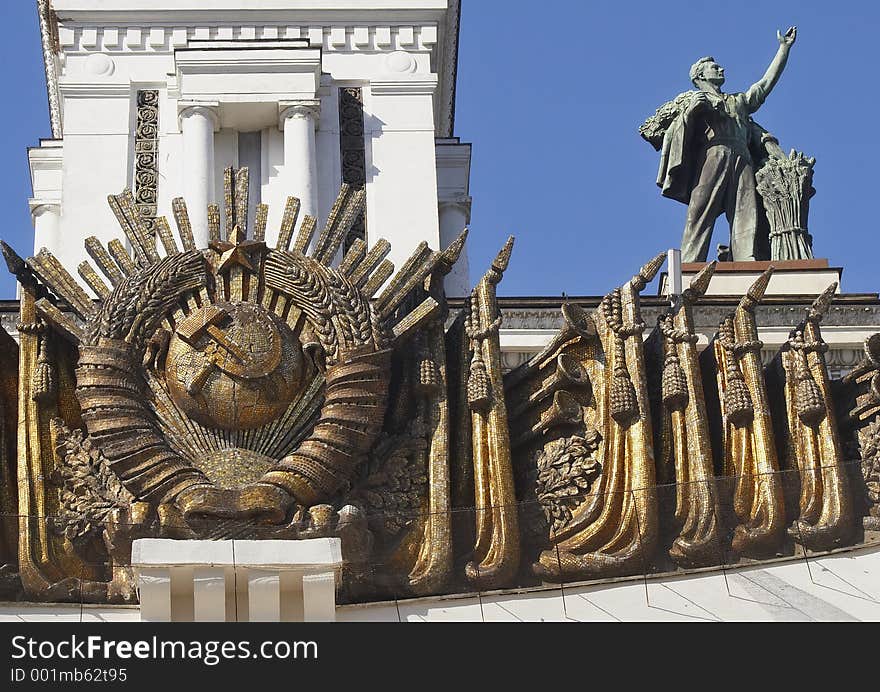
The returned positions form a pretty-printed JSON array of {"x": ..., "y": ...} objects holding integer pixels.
[{"x": 233, "y": 366}]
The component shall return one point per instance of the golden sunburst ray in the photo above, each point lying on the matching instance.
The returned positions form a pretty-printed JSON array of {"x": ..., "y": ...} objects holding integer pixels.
[
  {"x": 333, "y": 219},
  {"x": 93, "y": 281},
  {"x": 184, "y": 227},
  {"x": 260, "y": 219},
  {"x": 53, "y": 274},
  {"x": 355, "y": 254},
  {"x": 354, "y": 206},
  {"x": 377, "y": 253},
  {"x": 288, "y": 223},
  {"x": 121, "y": 257},
  {"x": 214, "y": 222},
  {"x": 378, "y": 278},
  {"x": 304, "y": 237},
  {"x": 163, "y": 230},
  {"x": 103, "y": 260},
  {"x": 132, "y": 224}
]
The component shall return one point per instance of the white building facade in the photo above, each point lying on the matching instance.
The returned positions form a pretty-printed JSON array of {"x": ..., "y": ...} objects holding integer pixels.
[{"x": 160, "y": 96}]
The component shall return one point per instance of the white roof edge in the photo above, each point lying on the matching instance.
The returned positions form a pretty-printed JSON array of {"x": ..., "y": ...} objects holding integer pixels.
[
  {"x": 449, "y": 76},
  {"x": 96, "y": 6}
]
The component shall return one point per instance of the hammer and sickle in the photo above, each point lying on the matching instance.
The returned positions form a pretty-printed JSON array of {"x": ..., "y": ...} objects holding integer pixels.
[{"x": 207, "y": 322}]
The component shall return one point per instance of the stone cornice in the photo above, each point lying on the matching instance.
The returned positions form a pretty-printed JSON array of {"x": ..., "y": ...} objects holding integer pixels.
[
  {"x": 869, "y": 302},
  {"x": 453, "y": 153},
  {"x": 859, "y": 313},
  {"x": 50, "y": 154},
  {"x": 225, "y": 58},
  {"x": 71, "y": 89},
  {"x": 81, "y": 10},
  {"x": 417, "y": 84}
]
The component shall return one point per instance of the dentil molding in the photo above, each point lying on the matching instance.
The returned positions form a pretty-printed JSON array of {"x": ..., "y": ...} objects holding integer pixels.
[{"x": 331, "y": 38}]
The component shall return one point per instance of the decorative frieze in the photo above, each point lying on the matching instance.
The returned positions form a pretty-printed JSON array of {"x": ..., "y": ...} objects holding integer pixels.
[
  {"x": 146, "y": 156},
  {"x": 847, "y": 324},
  {"x": 335, "y": 38},
  {"x": 353, "y": 152},
  {"x": 705, "y": 316},
  {"x": 840, "y": 361}
]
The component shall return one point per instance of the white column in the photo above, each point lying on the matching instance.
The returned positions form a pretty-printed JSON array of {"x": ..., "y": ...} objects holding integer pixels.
[
  {"x": 209, "y": 594},
  {"x": 154, "y": 589},
  {"x": 291, "y": 596},
  {"x": 47, "y": 226},
  {"x": 299, "y": 120},
  {"x": 264, "y": 595},
  {"x": 319, "y": 597},
  {"x": 455, "y": 215},
  {"x": 198, "y": 122},
  {"x": 182, "y": 593}
]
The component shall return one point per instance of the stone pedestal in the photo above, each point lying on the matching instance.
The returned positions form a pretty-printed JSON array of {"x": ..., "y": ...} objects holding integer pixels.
[
  {"x": 790, "y": 277},
  {"x": 245, "y": 581}
]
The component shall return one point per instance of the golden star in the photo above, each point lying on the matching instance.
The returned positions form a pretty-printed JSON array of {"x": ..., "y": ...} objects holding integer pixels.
[{"x": 235, "y": 251}]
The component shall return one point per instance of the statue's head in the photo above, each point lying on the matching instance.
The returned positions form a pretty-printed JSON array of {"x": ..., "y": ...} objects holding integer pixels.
[{"x": 708, "y": 70}]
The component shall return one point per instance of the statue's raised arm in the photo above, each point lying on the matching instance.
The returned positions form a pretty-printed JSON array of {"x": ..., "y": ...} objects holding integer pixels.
[{"x": 758, "y": 92}]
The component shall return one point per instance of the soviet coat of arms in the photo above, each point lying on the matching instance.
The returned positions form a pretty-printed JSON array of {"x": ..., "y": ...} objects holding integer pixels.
[{"x": 239, "y": 390}]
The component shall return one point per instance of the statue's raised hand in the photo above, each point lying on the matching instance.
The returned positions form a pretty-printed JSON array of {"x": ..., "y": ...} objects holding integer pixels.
[{"x": 788, "y": 38}]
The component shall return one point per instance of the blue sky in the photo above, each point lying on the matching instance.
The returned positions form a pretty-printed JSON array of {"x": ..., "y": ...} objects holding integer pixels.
[{"x": 551, "y": 95}]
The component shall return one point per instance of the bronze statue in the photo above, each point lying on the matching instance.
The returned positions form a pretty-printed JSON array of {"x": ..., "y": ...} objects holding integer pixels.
[{"x": 709, "y": 150}]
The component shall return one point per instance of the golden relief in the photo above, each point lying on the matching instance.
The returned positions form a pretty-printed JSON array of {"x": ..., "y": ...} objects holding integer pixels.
[{"x": 249, "y": 391}]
